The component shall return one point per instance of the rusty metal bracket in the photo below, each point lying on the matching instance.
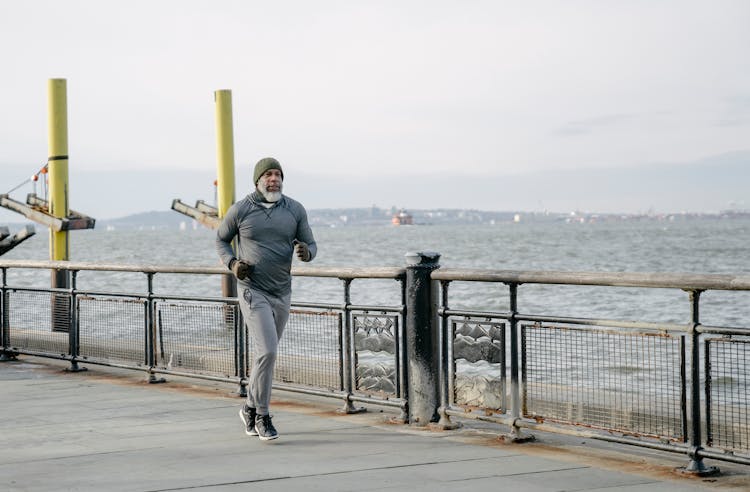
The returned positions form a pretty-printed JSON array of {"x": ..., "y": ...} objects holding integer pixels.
[
  {"x": 8, "y": 242},
  {"x": 37, "y": 210},
  {"x": 202, "y": 212}
]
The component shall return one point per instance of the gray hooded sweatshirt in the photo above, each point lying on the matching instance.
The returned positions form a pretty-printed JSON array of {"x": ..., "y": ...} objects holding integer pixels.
[{"x": 265, "y": 239}]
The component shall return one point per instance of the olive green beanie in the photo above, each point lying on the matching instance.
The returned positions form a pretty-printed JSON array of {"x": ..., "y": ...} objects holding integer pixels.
[{"x": 264, "y": 165}]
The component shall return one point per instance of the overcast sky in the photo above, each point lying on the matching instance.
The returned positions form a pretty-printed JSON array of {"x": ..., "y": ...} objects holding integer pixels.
[{"x": 350, "y": 89}]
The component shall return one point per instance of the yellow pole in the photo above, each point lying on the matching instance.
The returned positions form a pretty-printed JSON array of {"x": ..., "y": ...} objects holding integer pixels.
[
  {"x": 224, "y": 151},
  {"x": 57, "y": 144},
  {"x": 225, "y": 168},
  {"x": 57, "y": 111}
]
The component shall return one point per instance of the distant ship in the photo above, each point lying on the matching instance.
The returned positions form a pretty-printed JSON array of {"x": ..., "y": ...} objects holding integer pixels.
[{"x": 402, "y": 218}]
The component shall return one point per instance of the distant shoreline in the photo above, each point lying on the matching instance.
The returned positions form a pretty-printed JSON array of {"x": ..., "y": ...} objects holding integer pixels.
[{"x": 374, "y": 216}]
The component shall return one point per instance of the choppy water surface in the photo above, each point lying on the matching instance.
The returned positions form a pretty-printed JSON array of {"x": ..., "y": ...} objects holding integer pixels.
[{"x": 706, "y": 246}]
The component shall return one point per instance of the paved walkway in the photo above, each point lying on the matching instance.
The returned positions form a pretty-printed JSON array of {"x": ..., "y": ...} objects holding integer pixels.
[{"x": 109, "y": 430}]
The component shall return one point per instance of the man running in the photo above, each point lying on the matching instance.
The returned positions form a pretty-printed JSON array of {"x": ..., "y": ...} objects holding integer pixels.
[{"x": 270, "y": 228}]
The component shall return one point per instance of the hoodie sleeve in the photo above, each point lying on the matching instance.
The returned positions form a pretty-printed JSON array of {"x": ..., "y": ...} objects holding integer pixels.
[
  {"x": 225, "y": 234},
  {"x": 304, "y": 233}
]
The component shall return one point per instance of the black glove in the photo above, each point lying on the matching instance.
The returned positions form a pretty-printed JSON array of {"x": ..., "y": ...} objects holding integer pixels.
[
  {"x": 241, "y": 269},
  {"x": 303, "y": 252}
]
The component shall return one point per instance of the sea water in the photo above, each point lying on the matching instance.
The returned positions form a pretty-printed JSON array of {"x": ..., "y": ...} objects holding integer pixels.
[{"x": 705, "y": 246}]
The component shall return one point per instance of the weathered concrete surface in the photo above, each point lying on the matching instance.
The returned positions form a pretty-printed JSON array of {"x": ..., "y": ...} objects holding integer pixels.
[{"x": 108, "y": 430}]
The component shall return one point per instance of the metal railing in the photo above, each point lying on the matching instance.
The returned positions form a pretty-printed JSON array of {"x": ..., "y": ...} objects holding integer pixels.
[
  {"x": 328, "y": 349},
  {"x": 677, "y": 387}
]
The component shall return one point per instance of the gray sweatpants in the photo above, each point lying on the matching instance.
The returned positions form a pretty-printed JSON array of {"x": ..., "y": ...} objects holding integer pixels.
[{"x": 266, "y": 317}]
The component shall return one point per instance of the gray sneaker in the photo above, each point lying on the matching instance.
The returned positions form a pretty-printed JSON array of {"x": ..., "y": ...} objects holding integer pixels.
[
  {"x": 248, "y": 415},
  {"x": 265, "y": 429}
]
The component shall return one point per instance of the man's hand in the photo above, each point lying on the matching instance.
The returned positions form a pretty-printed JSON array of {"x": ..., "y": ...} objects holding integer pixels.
[
  {"x": 303, "y": 252},
  {"x": 241, "y": 269}
]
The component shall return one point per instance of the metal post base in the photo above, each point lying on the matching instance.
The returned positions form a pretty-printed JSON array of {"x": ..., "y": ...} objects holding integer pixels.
[
  {"x": 153, "y": 379},
  {"x": 74, "y": 367},
  {"x": 350, "y": 409},
  {"x": 444, "y": 425},
  {"x": 445, "y": 422},
  {"x": 516, "y": 436},
  {"x": 698, "y": 469},
  {"x": 8, "y": 356},
  {"x": 242, "y": 390}
]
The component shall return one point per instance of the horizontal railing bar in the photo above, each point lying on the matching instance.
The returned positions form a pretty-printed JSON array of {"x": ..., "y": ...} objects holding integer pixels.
[
  {"x": 317, "y": 305},
  {"x": 309, "y": 391},
  {"x": 139, "y": 296},
  {"x": 132, "y": 295},
  {"x": 684, "y": 281},
  {"x": 509, "y": 421},
  {"x": 718, "y": 455},
  {"x": 48, "y": 355},
  {"x": 332, "y": 272},
  {"x": 102, "y": 362},
  {"x": 722, "y": 330},
  {"x": 604, "y": 322},
  {"x": 393, "y": 273},
  {"x": 399, "y": 403},
  {"x": 561, "y": 319},
  {"x": 225, "y": 300},
  {"x": 342, "y": 395},
  {"x": 38, "y": 289},
  {"x": 672, "y": 448},
  {"x": 475, "y": 314},
  {"x": 197, "y": 375},
  {"x": 383, "y": 309},
  {"x": 353, "y": 307},
  {"x": 112, "y": 267}
]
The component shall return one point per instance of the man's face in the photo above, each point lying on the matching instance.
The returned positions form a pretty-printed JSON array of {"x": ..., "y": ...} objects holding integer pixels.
[
  {"x": 270, "y": 185},
  {"x": 270, "y": 180}
]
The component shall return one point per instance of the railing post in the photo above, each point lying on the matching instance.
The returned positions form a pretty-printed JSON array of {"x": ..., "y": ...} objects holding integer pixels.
[
  {"x": 4, "y": 320},
  {"x": 73, "y": 327},
  {"x": 445, "y": 370},
  {"x": 696, "y": 465},
  {"x": 515, "y": 389},
  {"x": 402, "y": 358},
  {"x": 150, "y": 332},
  {"x": 422, "y": 338},
  {"x": 240, "y": 339},
  {"x": 350, "y": 370}
]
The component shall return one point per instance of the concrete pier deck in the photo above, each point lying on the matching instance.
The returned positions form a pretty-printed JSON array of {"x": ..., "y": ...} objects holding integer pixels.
[{"x": 108, "y": 430}]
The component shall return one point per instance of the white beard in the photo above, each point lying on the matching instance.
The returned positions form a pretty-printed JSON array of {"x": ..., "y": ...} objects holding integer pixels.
[{"x": 271, "y": 196}]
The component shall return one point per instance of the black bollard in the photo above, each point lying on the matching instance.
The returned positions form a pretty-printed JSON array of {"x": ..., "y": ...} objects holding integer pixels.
[{"x": 421, "y": 331}]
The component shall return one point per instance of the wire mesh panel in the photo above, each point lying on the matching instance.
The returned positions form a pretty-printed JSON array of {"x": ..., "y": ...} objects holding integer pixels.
[
  {"x": 728, "y": 394},
  {"x": 619, "y": 381},
  {"x": 479, "y": 373},
  {"x": 376, "y": 342},
  {"x": 112, "y": 329},
  {"x": 36, "y": 321},
  {"x": 310, "y": 350},
  {"x": 196, "y": 337}
]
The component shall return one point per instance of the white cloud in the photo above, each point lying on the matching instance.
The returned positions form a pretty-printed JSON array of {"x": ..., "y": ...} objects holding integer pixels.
[{"x": 352, "y": 88}]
